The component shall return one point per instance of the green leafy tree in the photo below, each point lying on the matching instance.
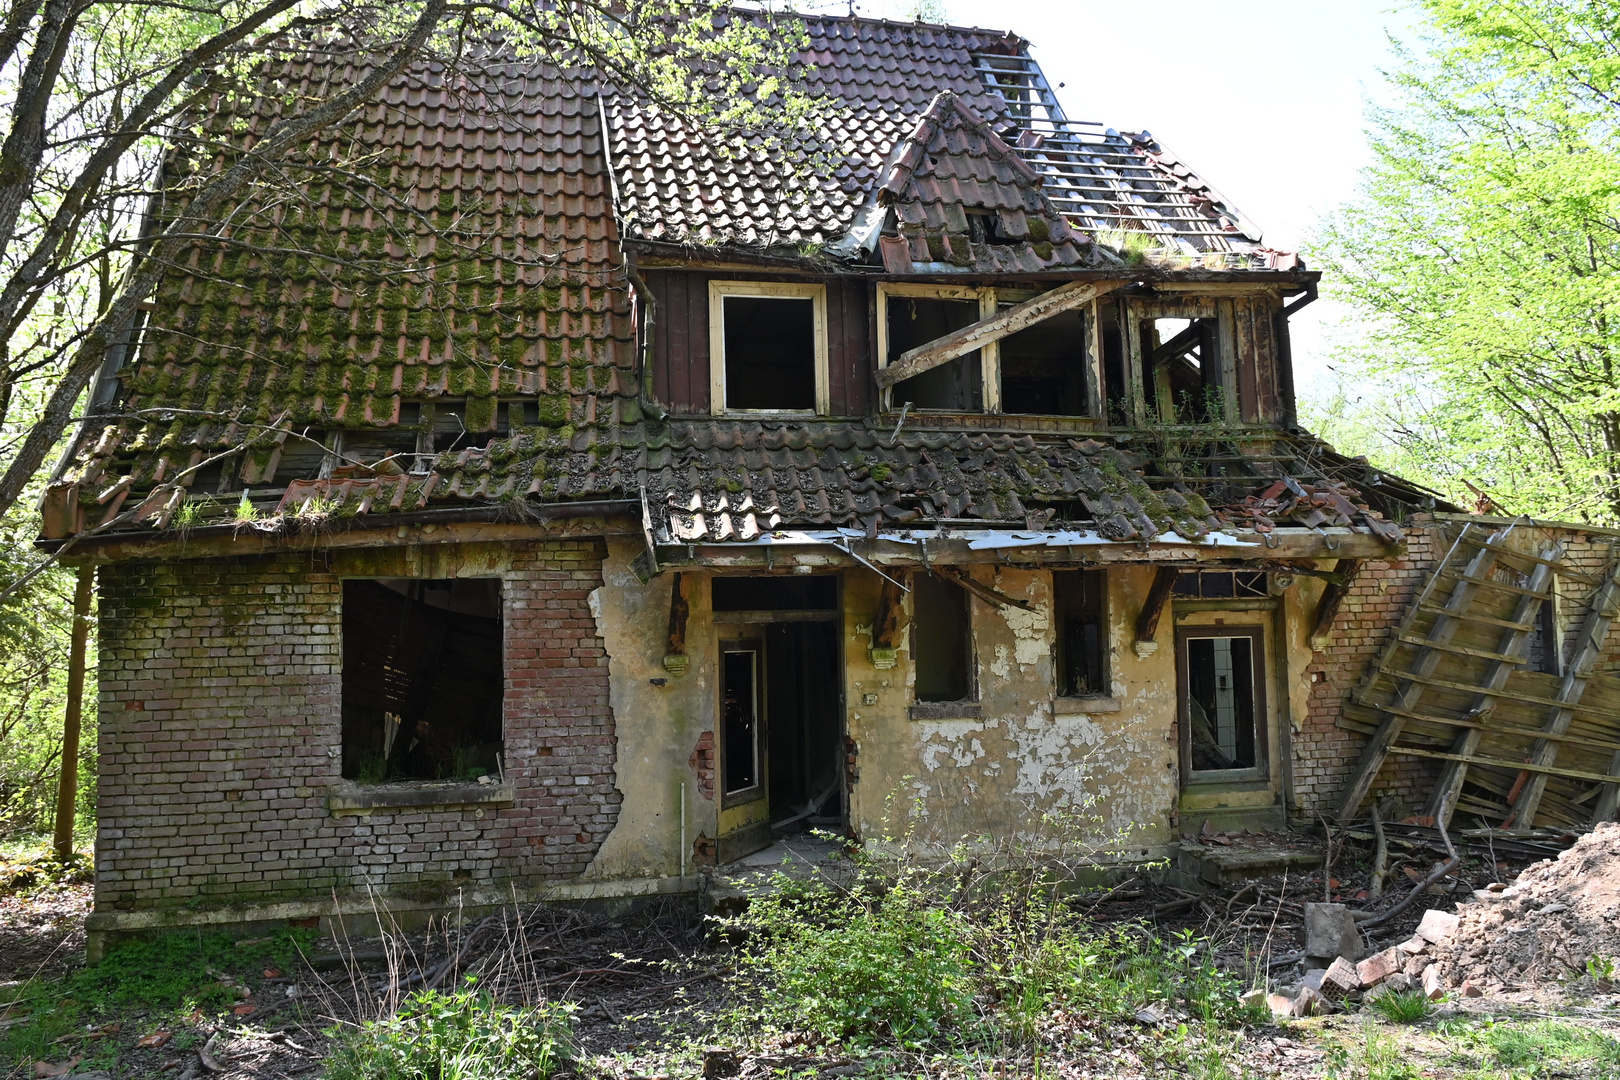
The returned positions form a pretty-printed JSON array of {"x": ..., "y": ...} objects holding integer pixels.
[{"x": 1484, "y": 258}]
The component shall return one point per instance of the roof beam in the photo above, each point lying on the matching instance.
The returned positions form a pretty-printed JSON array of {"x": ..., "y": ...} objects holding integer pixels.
[{"x": 943, "y": 350}]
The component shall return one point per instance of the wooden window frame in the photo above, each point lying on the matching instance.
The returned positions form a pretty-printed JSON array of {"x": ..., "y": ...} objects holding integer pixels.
[
  {"x": 742, "y": 796},
  {"x": 1262, "y": 706},
  {"x": 816, "y": 293},
  {"x": 989, "y": 355}
]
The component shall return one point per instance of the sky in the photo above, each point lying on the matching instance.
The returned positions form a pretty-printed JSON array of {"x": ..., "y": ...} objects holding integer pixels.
[{"x": 1265, "y": 99}]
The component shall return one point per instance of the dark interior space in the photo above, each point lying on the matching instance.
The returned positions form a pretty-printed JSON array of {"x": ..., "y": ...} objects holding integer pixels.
[
  {"x": 422, "y": 679},
  {"x": 1080, "y": 601},
  {"x": 1113, "y": 365},
  {"x": 1221, "y": 702},
  {"x": 770, "y": 344},
  {"x": 956, "y": 386},
  {"x": 941, "y": 639},
  {"x": 803, "y": 702},
  {"x": 818, "y": 592},
  {"x": 1222, "y": 585},
  {"x": 742, "y": 729},
  {"x": 1043, "y": 367}
]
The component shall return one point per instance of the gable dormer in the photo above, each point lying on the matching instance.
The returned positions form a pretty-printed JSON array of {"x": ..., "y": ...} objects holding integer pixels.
[{"x": 963, "y": 201}]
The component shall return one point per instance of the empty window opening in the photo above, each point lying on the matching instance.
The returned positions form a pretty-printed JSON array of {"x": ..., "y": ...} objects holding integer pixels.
[
  {"x": 452, "y": 427},
  {"x": 817, "y": 592},
  {"x": 1079, "y": 599},
  {"x": 770, "y": 353},
  {"x": 422, "y": 679},
  {"x": 1180, "y": 373},
  {"x": 387, "y": 451},
  {"x": 302, "y": 453},
  {"x": 955, "y": 386},
  {"x": 1043, "y": 367},
  {"x": 1113, "y": 366},
  {"x": 1221, "y": 703},
  {"x": 1222, "y": 585},
  {"x": 741, "y": 717},
  {"x": 941, "y": 639}
]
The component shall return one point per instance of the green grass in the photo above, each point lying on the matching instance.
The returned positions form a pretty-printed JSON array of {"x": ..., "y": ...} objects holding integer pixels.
[
  {"x": 175, "y": 973},
  {"x": 1403, "y": 1006},
  {"x": 1527, "y": 1049}
]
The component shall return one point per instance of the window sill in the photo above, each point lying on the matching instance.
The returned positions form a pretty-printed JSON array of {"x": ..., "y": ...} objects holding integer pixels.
[
  {"x": 358, "y": 799},
  {"x": 946, "y": 710},
  {"x": 1086, "y": 705}
]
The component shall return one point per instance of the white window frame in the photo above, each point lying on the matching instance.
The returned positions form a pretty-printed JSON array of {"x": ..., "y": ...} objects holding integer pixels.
[
  {"x": 989, "y": 355},
  {"x": 718, "y": 291}
]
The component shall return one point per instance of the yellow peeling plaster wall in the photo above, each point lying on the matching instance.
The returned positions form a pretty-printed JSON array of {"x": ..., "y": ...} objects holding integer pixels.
[
  {"x": 992, "y": 777},
  {"x": 658, "y": 727}
]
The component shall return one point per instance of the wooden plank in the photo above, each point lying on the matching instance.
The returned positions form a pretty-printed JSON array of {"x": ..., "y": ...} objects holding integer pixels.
[
  {"x": 1498, "y": 763},
  {"x": 1265, "y": 356},
  {"x": 1410, "y": 690},
  {"x": 1484, "y": 620},
  {"x": 1600, "y": 615},
  {"x": 1130, "y": 329},
  {"x": 970, "y": 338},
  {"x": 1510, "y": 695},
  {"x": 1514, "y": 648},
  {"x": 1095, "y": 392},
  {"x": 1507, "y": 731},
  {"x": 1490, "y": 583},
  {"x": 1566, "y": 571},
  {"x": 1462, "y": 650},
  {"x": 679, "y": 609},
  {"x": 1248, "y": 375},
  {"x": 1226, "y": 350},
  {"x": 981, "y": 591}
]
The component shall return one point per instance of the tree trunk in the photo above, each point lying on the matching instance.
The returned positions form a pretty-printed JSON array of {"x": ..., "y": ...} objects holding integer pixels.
[{"x": 67, "y": 788}]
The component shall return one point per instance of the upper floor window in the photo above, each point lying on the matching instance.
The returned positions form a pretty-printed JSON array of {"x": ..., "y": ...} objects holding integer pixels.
[
  {"x": 1042, "y": 369},
  {"x": 768, "y": 348}
]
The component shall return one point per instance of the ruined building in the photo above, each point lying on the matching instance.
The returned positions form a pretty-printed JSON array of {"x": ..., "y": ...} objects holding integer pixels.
[{"x": 695, "y": 503}]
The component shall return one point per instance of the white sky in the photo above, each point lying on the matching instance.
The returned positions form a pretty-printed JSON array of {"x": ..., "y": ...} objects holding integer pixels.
[{"x": 1262, "y": 98}]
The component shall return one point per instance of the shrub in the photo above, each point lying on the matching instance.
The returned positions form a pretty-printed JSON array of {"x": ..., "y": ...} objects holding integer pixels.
[
  {"x": 860, "y": 966},
  {"x": 461, "y": 1035}
]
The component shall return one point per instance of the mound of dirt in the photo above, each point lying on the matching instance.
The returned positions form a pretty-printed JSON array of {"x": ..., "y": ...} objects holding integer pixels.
[{"x": 1547, "y": 925}]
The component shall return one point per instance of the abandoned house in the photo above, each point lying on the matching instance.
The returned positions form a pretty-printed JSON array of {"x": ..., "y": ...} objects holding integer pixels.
[{"x": 702, "y": 504}]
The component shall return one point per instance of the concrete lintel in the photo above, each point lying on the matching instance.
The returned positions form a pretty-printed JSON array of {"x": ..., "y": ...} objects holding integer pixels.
[{"x": 352, "y": 798}]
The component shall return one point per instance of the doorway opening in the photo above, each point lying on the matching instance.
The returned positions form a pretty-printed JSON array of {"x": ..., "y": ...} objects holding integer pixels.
[
  {"x": 1222, "y": 704},
  {"x": 781, "y": 730}
]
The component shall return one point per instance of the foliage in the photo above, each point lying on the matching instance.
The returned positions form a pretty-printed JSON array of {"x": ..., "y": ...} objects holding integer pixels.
[
  {"x": 175, "y": 972},
  {"x": 1531, "y": 1048},
  {"x": 1403, "y": 1006},
  {"x": 35, "y": 622},
  {"x": 460, "y": 1035},
  {"x": 860, "y": 967},
  {"x": 964, "y": 950},
  {"x": 1484, "y": 258}
]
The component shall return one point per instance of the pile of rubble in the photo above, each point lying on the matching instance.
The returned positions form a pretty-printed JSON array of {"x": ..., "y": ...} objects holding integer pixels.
[
  {"x": 1330, "y": 930},
  {"x": 1559, "y": 920}
]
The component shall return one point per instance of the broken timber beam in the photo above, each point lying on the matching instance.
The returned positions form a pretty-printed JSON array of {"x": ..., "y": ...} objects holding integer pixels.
[
  {"x": 1327, "y": 608},
  {"x": 680, "y": 608},
  {"x": 931, "y": 355},
  {"x": 1515, "y": 643},
  {"x": 1158, "y": 597},
  {"x": 1409, "y": 690},
  {"x": 983, "y": 592},
  {"x": 1600, "y": 614}
]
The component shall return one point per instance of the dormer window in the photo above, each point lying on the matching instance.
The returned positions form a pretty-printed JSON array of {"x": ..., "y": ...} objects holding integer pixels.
[{"x": 768, "y": 348}]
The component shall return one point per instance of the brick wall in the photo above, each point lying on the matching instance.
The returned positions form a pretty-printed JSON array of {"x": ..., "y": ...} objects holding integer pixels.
[
  {"x": 1325, "y": 754},
  {"x": 220, "y": 739}
]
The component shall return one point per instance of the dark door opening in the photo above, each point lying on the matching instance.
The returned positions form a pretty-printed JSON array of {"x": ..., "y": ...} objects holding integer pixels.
[
  {"x": 1222, "y": 703},
  {"x": 781, "y": 732},
  {"x": 805, "y": 762}
]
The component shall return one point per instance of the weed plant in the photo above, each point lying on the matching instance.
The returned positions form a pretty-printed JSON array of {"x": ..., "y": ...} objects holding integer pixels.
[
  {"x": 1403, "y": 1006},
  {"x": 1525, "y": 1049},
  {"x": 461, "y": 1035}
]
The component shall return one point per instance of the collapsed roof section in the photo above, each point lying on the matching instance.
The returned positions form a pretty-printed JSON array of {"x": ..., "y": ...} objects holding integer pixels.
[{"x": 880, "y": 80}]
